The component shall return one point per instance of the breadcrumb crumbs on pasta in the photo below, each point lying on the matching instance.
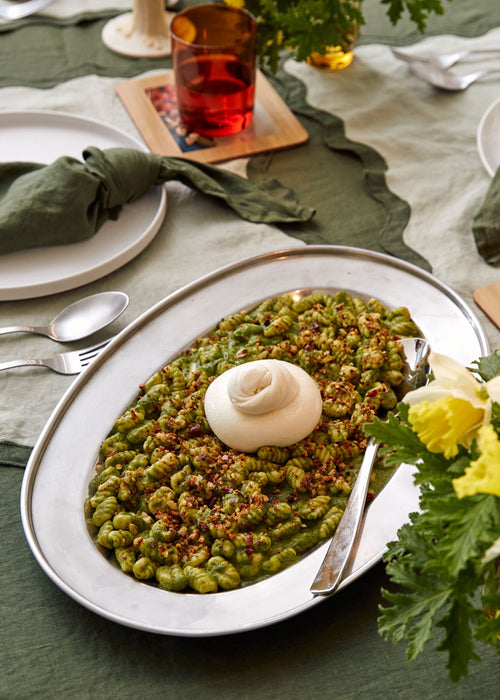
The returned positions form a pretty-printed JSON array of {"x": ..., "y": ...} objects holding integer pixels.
[{"x": 176, "y": 507}]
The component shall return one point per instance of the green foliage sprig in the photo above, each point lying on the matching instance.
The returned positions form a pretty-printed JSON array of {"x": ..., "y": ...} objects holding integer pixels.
[
  {"x": 438, "y": 566},
  {"x": 310, "y": 26}
]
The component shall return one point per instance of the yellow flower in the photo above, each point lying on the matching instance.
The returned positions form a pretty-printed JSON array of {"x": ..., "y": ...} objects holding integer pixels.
[
  {"x": 235, "y": 3},
  {"x": 444, "y": 424},
  {"x": 450, "y": 410},
  {"x": 483, "y": 474}
]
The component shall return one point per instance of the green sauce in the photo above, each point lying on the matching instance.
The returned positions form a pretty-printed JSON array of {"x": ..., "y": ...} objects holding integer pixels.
[{"x": 177, "y": 508}]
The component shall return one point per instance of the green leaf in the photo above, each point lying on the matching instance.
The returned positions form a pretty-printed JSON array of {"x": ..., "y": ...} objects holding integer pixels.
[
  {"x": 437, "y": 561},
  {"x": 458, "y": 639},
  {"x": 473, "y": 524},
  {"x": 394, "y": 433},
  {"x": 413, "y": 544},
  {"x": 487, "y": 628},
  {"x": 308, "y": 26},
  {"x": 418, "y": 10},
  {"x": 488, "y": 367},
  {"x": 403, "y": 446},
  {"x": 412, "y": 615},
  {"x": 495, "y": 416}
]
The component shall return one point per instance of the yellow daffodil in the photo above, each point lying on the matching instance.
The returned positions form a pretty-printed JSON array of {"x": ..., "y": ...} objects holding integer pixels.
[
  {"x": 483, "y": 474},
  {"x": 449, "y": 411},
  {"x": 444, "y": 424}
]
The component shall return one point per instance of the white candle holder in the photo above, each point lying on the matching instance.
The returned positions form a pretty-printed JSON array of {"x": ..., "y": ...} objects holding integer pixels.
[{"x": 142, "y": 33}]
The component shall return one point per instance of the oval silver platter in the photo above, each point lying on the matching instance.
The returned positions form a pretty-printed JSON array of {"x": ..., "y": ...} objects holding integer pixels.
[{"x": 62, "y": 462}]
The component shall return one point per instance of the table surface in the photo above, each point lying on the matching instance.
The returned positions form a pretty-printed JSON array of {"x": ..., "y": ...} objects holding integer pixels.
[{"x": 396, "y": 170}]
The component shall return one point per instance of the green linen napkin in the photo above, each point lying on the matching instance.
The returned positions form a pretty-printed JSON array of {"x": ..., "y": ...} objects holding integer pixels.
[
  {"x": 69, "y": 200},
  {"x": 486, "y": 224}
]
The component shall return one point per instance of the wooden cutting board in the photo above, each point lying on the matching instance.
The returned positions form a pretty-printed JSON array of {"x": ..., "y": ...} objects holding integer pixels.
[{"x": 488, "y": 299}]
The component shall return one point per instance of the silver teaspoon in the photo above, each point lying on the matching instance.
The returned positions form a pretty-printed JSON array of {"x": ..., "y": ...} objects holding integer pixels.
[
  {"x": 444, "y": 60},
  {"x": 343, "y": 544},
  {"x": 446, "y": 80},
  {"x": 80, "y": 319}
]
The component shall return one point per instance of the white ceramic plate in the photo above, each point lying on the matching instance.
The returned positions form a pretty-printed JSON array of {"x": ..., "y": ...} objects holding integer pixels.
[
  {"x": 62, "y": 463},
  {"x": 41, "y": 137},
  {"x": 488, "y": 138}
]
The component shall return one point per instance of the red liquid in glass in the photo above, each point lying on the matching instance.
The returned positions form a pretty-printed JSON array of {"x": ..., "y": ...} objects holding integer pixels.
[{"x": 215, "y": 94}]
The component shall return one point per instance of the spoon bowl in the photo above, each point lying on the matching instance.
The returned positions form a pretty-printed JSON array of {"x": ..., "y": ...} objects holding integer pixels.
[
  {"x": 444, "y": 60},
  {"x": 446, "y": 80},
  {"x": 416, "y": 368},
  {"x": 23, "y": 9},
  {"x": 80, "y": 319},
  {"x": 343, "y": 544}
]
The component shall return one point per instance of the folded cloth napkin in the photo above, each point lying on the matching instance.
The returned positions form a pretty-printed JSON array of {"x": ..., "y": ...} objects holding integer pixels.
[
  {"x": 69, "y": 200},
  {"x": 486, "y": 224}
]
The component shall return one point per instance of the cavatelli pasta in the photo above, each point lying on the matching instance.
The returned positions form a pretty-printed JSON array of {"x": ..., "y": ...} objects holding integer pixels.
[
  {"x": 177, "y": 508},
  {"x": 280, "y": 560},
  {"x": 104, "y": 510},
  {"x": 315, "y": 508},
  {"x": 125, "y": 557},
  {"x": 330, "y": 522},
  {"x": 200, "y": 580},
  {"x": 171, "y": 578},
  {"x": 223, "y": 572},
  {"x": 144, "y": 568}
]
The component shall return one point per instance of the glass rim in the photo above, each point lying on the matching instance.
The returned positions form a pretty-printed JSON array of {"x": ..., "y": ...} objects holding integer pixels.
[{"x": 218, "y": 8}]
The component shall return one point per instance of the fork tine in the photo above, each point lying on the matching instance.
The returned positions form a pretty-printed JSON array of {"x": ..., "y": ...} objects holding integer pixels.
[
  {"x": 88, "y": 354},
  {"x": 93, "y": 349}
]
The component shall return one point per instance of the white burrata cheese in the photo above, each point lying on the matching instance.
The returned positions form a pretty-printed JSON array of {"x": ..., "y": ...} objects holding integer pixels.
[{"x": 265, "y": 402}]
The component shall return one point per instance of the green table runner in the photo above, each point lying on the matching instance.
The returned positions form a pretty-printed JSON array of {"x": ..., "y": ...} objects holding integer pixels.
[
  {"x": 353, "y": 204},
  {"x": 355, "y": 207},
  {"x": 42, "y": 35}
]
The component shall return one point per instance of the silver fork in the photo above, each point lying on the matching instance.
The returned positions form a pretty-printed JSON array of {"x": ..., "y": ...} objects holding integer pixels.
[
  {"x": 23, "y": 9},
  {"x": 72, "y": 362}
]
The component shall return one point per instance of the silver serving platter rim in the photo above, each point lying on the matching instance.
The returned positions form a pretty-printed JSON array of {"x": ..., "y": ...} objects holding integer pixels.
[{"x": 63, "y": 460}]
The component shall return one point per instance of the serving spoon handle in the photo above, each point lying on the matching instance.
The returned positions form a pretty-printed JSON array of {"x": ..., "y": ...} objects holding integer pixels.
[{"x": 339, "y": 552}]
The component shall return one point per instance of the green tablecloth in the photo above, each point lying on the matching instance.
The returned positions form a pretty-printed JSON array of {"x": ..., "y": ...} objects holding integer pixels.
[{"x": 392, "y": 177}]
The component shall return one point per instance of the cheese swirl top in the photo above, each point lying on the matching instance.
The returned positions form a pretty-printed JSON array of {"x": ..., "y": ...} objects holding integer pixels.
[{"x": 265, "y": 402}]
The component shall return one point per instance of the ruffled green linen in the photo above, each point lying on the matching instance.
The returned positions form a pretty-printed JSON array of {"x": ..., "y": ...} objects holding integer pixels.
[
  {"x": 347, "y": 185},
  {"x": 14, "y": 455},
  {"x": 69, "y": 200}
]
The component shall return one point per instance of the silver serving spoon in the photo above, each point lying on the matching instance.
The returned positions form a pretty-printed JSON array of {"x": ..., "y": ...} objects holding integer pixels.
[
  {"x": 445, "y": 80},
  {"x": 23, "y": 9},
  {"x": 444, "y": 60},
  {"x": 343, "y": 545},
  {"x": 80, "y": 319}
]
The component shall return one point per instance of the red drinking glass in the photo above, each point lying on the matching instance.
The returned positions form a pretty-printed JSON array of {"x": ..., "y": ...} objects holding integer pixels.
[{"x": 214, "y": 56}]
